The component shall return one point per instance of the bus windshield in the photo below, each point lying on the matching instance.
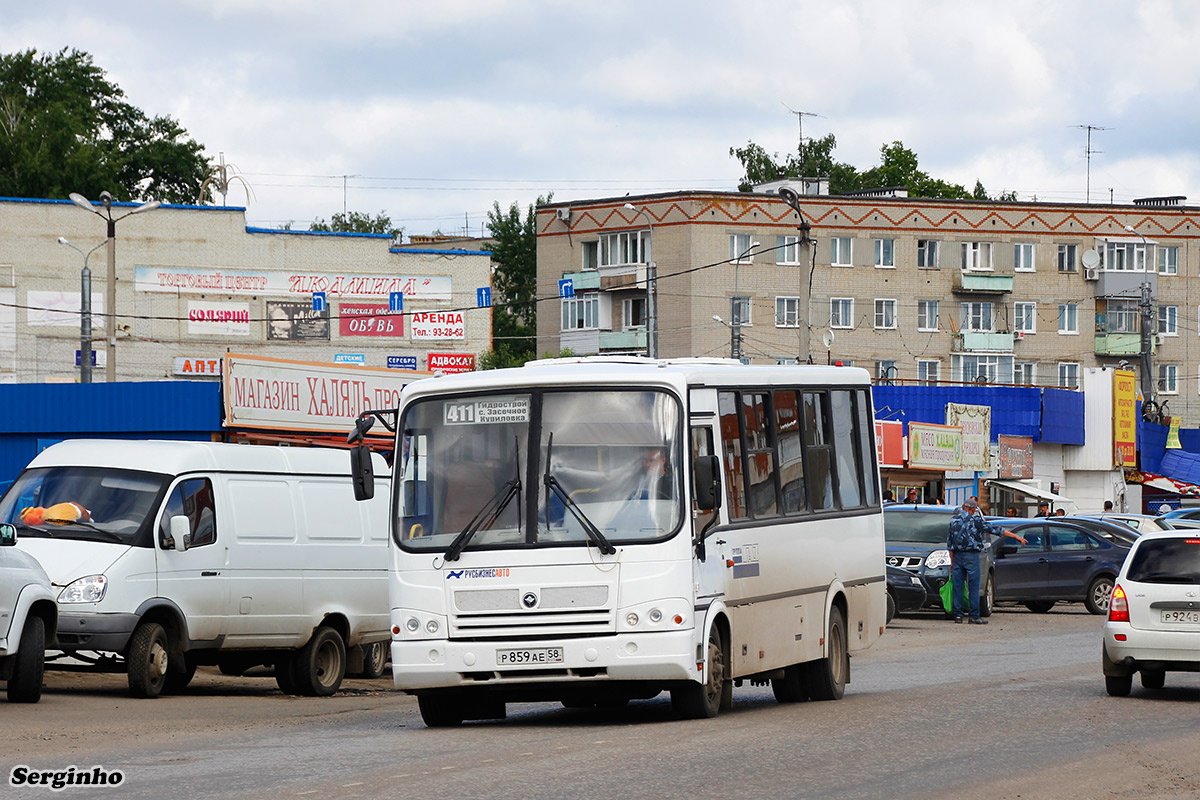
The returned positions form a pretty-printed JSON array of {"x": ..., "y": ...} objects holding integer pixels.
[
  {"x": 605, "y": 468},
  {"x": 100, "y": 504}
]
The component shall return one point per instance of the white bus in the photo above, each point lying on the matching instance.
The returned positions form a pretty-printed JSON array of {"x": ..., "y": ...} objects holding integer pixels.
[{"x": 595, "y": 530}]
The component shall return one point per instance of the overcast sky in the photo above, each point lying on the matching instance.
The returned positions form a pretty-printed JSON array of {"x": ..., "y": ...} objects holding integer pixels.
[{"x": 431, "y": 111}]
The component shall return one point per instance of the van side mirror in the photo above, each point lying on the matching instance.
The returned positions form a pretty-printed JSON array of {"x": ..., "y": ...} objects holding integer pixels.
[
  {"x": 362, "y": 472},
  {"x": 8, "y": 535},
  {"x": 706, "y": 481},
  {"x": 181, "y": 531}
]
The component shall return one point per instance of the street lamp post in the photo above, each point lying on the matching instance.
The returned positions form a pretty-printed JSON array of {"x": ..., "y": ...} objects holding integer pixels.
[
  {"x": 110, "y": 289},
  {"x": 651, "y": 289},
  {"x": 85, "y": 311},
  {"x": 735, "y": 328}
]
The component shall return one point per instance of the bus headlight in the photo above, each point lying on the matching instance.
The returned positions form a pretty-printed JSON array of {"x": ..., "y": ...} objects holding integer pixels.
[
  {"x": 938, "y": 558},
  {"x": 655, "y": 615},
  {"x": 89, "y": 589},
  {"x": 413, "y": 624},
  {"x": 631, "y": 619}
]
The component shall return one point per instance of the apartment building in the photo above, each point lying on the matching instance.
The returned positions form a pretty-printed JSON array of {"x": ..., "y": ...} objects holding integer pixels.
[{"x": 915, "y": 290}]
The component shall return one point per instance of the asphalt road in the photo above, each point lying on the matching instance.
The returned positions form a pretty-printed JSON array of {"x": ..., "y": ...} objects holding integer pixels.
[{"x": 1013, "y": 709}]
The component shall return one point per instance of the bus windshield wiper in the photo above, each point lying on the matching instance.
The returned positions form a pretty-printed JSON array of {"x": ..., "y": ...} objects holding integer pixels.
[
  {"x": 589, "y": 528},
  {"x": 492, "y": 509}
]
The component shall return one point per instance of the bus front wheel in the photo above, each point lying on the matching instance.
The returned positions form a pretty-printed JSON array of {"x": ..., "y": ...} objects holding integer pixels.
[
  {"x": 440, "y": 711},
  {"x": 704, "y": 700},
  {"x": 827, "y": 677}
]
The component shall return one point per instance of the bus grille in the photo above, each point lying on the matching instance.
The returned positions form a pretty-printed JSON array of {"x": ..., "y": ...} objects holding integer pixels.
[{"x": 558, "y": 611}]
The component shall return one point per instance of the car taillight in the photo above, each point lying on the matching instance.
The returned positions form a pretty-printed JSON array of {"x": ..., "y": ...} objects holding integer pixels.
[{"x": 1118, "y": 606}]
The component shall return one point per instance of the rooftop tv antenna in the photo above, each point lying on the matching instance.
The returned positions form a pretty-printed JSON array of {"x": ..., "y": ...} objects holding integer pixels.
[
  {"x": 800, "y": 115},
  {"x": 1087, "y": 151}
]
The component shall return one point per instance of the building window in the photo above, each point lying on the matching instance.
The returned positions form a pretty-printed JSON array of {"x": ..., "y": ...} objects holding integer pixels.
[
  {"x": 840, "y": 254},
  {"x": 1068, "y": 318},
  {"x": 927, "y": 253},
  {"x": 624, "y": 248},
  {"x": 1168, "y": 320},
  {"x": 1168, "y": 260},
  {"x": 841, "y": 312},
  {"x": 591, "y": 255},
  {"x": 927, "y": 315},
  {"x": 976, "y": 317},
  {"x": 581, "y": 312},
  {"x": 740, "y": 245},
  {"x": 1068, "y": 375},
  {"x": 633, "y": 312},
  {"x": 981, "y": 368},
  {"x": 885, "y": 253},
  {"x": 1124, "y": 256},
  {"x": 1025, "y": 317},
  {"x": 886, "y": 370},
  {"x": 885, "y": 314},
  {"x": 929, "y": 372},
  {"x": 1025, "y": 373},
  {"x": 977, "y": 256},
  {"x": 1120, "y": 316},
  {"x": 1067, "y": 261},
  {"x": 1023, "y": 257},
  {"x": 1168, "y": 379},
  {"x": 787, "y": 249},
  {"x": 787, "y": 312},
  {"x": 739, "y": 309}
]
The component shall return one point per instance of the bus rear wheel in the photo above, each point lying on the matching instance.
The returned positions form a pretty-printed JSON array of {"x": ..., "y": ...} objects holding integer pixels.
[
  {"x": 827, "y": 677},
  {"x": 703, "y": 700}
]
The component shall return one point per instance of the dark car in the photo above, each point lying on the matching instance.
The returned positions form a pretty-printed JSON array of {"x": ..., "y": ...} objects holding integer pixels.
[
  {"x": 1113, "y": 530},
  {"x": 915, "y": 539},
  {"x": 905, "y": 592},
  {"x": 1061, "y": 561}
]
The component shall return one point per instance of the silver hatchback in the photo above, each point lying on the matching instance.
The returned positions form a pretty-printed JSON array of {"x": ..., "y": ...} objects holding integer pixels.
[{"x": 1153, "y": 624}]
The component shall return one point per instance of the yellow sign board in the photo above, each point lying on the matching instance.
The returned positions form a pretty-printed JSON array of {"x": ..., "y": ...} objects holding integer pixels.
[{"x": 1124, "y": 418}]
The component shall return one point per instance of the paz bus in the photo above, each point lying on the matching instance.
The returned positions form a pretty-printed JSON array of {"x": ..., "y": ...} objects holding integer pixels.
[{"x": 595, "y": 530}]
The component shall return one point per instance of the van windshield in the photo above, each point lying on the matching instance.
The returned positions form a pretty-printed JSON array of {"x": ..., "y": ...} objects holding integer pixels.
[
  {"x": 96, "y": 504},
  {"x": 523, "y": 469}
]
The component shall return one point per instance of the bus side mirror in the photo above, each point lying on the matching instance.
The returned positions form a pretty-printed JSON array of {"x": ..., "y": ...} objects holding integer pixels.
[
  {"x": 362, "y": 472},
  {"x": 8, "y": 535},
  {"x": 706, "y": 481}
]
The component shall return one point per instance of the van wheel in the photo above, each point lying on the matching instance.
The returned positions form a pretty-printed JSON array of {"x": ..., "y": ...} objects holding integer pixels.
[
  {"x": 827, "y": 677},
  {"x": 374, "y": 659},
  {"x": 319, "y": 666},
  {"x": 147, "y": 659},
  {"x": 283, "y": 676},
  {"x": 178, "y": 681},
  {"x": 703, "y": 700},
  {"x": 25, "y": 683}
]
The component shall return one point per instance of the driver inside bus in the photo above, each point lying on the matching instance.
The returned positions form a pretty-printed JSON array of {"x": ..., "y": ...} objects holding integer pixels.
[{"x": 655, "y": 480}]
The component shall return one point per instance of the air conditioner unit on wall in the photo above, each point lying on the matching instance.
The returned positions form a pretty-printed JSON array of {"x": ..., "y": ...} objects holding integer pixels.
[
  {"x": 1091, "y": 274},
  {"x": 563, "y": 214}
]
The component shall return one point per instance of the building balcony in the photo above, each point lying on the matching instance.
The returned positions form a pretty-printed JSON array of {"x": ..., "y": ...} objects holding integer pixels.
[
  {"x": 982, "y": 342},
  {"x": 1120, "y": 344},
  {"x": 589, "y": 279},
  {"x": 983, "y": 283},
  {"x": 1124, "y": 283},
  {"x": 625, "y": 341}
]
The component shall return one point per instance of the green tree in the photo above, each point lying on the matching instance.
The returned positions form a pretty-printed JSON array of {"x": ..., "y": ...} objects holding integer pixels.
[
  {"x": 357, "y": 222},
  {"x": 65, "y": 128},
  {"x": 514, "y": 252}
]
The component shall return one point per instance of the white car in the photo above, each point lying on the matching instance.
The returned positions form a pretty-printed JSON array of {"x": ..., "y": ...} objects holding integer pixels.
[
  {"x": 1153, "y": 624},
  {"x": 28, "y": 620}
]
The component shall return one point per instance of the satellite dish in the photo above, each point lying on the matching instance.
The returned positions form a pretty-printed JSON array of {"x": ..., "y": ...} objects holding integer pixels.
[
  {"x": 1090, "y": 259},
  {"x": 827, "y": 339}
]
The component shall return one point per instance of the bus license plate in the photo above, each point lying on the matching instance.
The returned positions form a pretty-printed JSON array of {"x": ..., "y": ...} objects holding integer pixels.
[
  {"x": 1192, "y": 617},
  {"x": 530, "y": 655}
]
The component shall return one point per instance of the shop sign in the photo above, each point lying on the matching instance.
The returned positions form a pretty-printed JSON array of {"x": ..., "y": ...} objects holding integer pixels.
[
  {"x": 451, "y": 362},
  {"x": 976, "y": 424},
  {"x": 277, "y": 394},
  {"x": 197, "y": 367},
  {"x": 1124, "y": 418},
  {"x": 296, "y": 321},
  {"x": 218, "y": 319},
  {"x": 1016, "y": 456},
  {"x": 183, "y": 280},
  {"x": 369, "y": 319},
  {"x": 438, "y": 325},
  {"x": 402, "y": 362},
  {"x": 889, "y": 443},
  {"x": 933, "y": 446}
]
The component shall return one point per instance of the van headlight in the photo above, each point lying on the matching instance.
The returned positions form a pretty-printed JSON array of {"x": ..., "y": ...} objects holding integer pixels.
[
  {"x": 938, "y": 558},
  {"x": 89, "y": 589}
]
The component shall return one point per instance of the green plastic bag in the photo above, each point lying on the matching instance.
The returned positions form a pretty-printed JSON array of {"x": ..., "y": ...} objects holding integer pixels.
[{"x": 947, "y": 591}]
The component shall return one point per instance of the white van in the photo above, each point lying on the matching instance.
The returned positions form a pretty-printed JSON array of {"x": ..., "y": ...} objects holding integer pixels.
[{"x": 168, "y": 555}]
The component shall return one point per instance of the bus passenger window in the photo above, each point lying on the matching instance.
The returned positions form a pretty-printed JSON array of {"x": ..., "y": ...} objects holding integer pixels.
[
  {"x": 760, "y": 457},
  {"x": 817, "y": 455},
  {"x": 841, "y": 414},
  {"x": 791, "y": 454}
]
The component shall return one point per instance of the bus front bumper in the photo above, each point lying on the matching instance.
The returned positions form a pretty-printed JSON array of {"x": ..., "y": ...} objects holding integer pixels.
[{"x": 440, "y": 663}]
